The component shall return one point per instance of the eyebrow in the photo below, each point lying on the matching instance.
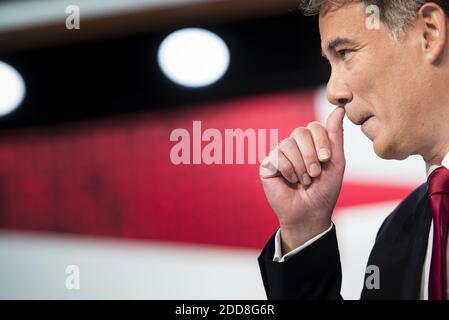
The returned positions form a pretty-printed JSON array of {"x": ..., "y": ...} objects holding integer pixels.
[{"x": 334, "y": 43}]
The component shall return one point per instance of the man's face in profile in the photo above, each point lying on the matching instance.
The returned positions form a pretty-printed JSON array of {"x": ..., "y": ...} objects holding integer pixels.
[{"x": 382, "y": 82}]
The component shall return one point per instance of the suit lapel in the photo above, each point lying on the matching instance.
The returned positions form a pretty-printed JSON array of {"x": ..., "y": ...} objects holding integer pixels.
[{"x": 417, "y": 249}]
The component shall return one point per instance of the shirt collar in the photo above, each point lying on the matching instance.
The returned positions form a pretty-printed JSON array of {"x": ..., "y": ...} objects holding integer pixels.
[{"x": 432, "y": 168}]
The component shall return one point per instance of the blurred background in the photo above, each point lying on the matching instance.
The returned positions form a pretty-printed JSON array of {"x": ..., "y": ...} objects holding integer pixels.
[{"x": 90, "y": 92}]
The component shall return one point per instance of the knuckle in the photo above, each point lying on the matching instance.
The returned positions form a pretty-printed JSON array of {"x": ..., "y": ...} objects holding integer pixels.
[
  {"x": 304, "y": 140},
  {"x": 300, "y": 131},
  {"x": 285, "y": 144},
  {"x": 315, "y": 125},
  {"x": 318, "y": 130}
]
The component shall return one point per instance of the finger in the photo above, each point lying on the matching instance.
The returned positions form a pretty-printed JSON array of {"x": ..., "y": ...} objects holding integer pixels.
[
  {"x": 268, "y": 167},
  {"x": 285, "y": 167},
  {"x": 304, "y": 140},
  {"x": 290, "y": 150},
  {"x": 335, "y": 131},
  {"x": 321, "y": 141}
]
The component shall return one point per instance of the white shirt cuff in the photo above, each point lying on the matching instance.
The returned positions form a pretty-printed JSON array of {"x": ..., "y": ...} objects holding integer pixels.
[{"x": 278, "y": 248}]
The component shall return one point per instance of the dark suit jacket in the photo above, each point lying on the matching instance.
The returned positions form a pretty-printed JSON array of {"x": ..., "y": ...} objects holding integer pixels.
[{"x": 399, "y": 253}]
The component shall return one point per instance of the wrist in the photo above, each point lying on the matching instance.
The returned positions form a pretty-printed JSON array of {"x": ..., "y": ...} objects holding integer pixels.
[{"x": 294, "y": 237}]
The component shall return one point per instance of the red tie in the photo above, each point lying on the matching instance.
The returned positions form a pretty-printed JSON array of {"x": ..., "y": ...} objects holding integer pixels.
[{"x": 439, "y": 200}]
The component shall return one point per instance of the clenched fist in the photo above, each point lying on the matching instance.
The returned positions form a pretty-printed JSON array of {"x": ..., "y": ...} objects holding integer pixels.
[{"x": 302, "y": 179}]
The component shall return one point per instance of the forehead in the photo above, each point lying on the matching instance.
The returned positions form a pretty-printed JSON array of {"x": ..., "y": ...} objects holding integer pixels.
[{"x": 347, "y": 21}]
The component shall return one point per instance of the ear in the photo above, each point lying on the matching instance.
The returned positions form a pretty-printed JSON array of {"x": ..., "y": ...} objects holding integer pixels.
[{"x": 434, "y": 31}]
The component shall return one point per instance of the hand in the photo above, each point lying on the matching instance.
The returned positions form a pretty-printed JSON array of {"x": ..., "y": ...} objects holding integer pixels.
[{"x": 302, "y": 179}]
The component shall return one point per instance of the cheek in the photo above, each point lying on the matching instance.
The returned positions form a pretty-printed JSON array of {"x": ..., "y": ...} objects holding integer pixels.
[
  {"x": 392, "y": 107},
  {"x": 393, "y": 124}
]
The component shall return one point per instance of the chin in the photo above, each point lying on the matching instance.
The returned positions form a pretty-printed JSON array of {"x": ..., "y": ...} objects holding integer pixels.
[{"x": 388, "y": 150}]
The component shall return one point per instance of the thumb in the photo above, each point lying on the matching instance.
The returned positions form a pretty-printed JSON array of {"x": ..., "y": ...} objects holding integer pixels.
[{"x": 335, "y": 130}]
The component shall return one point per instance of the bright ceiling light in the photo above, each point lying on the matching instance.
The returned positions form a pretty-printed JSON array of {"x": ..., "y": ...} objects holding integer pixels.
[
  {"x": 193, "y": 57},
  {"x": 12, "y": 89}
]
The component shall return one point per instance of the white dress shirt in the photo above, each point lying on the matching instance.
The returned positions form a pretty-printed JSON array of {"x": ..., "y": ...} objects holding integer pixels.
[{"x": 426, "y": 268}]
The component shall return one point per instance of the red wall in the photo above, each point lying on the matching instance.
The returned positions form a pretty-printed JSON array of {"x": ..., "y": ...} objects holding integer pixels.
[{"x": 113, "y": 177}]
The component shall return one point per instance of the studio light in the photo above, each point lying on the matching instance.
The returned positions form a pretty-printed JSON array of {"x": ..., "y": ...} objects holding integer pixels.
[
  {"x": 12, "y": 89},
  {"x": 193, "y": 57}
]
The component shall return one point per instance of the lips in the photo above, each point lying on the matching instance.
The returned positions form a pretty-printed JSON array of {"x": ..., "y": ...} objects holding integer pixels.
[{"x": 363, "y": 120}]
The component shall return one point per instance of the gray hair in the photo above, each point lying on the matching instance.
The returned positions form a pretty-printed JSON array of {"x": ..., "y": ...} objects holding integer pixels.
[{"x": 396, "y": 14}]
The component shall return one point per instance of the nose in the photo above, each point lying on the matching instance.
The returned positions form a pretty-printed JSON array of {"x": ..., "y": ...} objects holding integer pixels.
[{"x": 337, "y": 92}]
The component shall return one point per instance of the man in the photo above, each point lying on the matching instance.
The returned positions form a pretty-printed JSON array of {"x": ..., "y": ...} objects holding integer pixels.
[{"x": 394, "y": 82}]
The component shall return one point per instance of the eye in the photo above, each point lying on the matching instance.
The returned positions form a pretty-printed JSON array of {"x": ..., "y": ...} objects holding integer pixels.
[{"x": 343, "y": 53}]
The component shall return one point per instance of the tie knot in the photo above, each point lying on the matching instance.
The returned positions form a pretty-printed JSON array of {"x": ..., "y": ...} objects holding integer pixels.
[{"x": 438, "y": 181}]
